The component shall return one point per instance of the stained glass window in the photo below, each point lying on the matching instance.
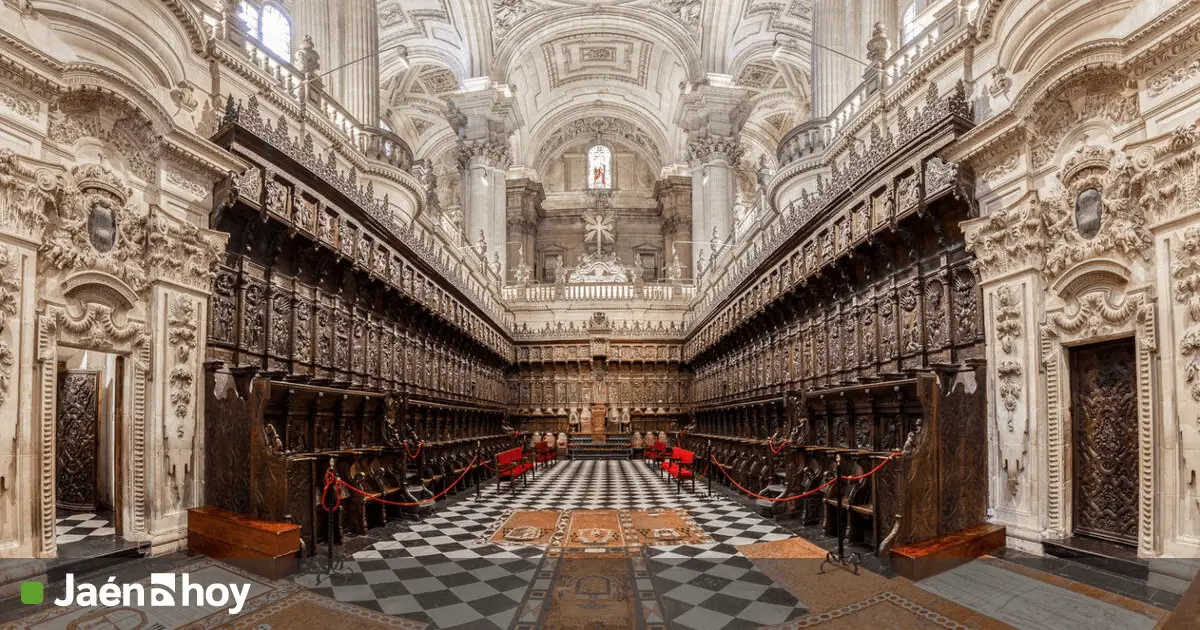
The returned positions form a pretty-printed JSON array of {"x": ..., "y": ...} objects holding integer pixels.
[{"x": 599, "y": 167}]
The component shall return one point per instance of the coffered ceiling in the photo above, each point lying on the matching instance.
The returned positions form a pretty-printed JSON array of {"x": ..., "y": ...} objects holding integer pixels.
[{"x": 604, "y": 66}]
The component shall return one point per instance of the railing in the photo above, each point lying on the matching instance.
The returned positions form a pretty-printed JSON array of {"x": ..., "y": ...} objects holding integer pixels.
[
  {"x": 599, "y": 291},
  {"x": 373, "y": 143}
]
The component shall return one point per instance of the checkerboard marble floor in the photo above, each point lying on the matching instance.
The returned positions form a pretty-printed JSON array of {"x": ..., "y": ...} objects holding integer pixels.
[
  {"x": 443, "y": 570},
  {"x": 71, "y": 528}
]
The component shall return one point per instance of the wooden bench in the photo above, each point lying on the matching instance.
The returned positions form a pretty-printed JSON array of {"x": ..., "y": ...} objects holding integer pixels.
[
  {"x": 511, "y": 465},
  {"x": 264, "y": 547}
]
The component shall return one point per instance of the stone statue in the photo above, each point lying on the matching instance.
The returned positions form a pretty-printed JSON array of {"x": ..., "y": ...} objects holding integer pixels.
[
  {"x": 625, "y": 417},
  {"x": 675, "y": 269}
]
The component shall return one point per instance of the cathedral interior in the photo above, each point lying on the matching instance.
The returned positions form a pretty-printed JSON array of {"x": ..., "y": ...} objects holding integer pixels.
[{"x": 602, "y": 314}]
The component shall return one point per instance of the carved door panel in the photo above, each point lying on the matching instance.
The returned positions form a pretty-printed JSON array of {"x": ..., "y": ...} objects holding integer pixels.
[
  {"x": 76, "y": 438},
  {"x": 1104, "y": 414}
]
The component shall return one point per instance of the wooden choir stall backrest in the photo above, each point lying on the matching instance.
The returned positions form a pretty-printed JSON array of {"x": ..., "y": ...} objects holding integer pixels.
[
  {"x": 267, "y": 451},
  {"x": 938, "y": 421}
]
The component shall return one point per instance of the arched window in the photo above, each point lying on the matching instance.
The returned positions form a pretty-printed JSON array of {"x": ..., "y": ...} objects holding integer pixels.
[
  {"x": 908, "y": 24},
  {"x": 270, "y": 25},
  {"x": 599, "y": 168},
  {"x": 276, "y": 31}
]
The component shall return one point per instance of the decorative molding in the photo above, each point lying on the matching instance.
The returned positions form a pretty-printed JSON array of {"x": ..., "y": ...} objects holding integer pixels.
[
  {"x": 10, "y": 292},
  {"x": 94, "y": 328},
  {"x": 25, "y": 192},
  {"x": 710, "y": 148},
  {"x": 490, "y": 152},
  {"x": 1186, "y": 272},
  {"x": 1008, "y": 317},
  {"x": 1009, "y": 374},
  {"x": 1097, "y": 315},
  {"x": 182, "y": 324}
]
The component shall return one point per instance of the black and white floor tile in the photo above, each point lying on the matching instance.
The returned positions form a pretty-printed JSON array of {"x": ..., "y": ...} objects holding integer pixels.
[
  {"x": 72, "y": 528},
  {"x": 714, "y": 587},
  {"x": 445, "y": 571}
]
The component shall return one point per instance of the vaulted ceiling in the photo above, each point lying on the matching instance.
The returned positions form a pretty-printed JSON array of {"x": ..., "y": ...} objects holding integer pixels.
[{"x": 578, "y": 66}]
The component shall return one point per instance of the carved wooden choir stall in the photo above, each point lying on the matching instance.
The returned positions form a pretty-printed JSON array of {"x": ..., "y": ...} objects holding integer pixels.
[{"x": 335, "y": 344}]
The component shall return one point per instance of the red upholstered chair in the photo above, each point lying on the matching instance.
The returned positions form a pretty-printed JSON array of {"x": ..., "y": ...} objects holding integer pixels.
[
  {"x": 684, "y": 468},
  {"x": 670, "y": 456},
  {"x": 543, "y": 453},
  {"x": 511, "y": 465}
]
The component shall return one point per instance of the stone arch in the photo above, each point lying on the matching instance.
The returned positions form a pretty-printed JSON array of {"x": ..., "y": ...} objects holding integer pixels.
[{"x": 100, "y": 312}]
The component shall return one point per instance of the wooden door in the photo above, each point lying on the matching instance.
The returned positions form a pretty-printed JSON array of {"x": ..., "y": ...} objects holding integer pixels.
[
  {"x": 76, "y": 438},
  {"x": 1104, "y": 416}
]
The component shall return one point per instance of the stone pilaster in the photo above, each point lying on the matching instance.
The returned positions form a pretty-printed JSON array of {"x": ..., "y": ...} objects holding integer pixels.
[
  {"x": 525, "y": 198},
  {"x": 674, "y": 195},
  {"x": 485, "y": 119},
  {"x": 713, "y": 114}
]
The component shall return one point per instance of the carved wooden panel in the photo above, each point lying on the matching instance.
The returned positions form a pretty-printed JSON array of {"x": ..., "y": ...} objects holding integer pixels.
[
  {"x": 1104, "y": 409},
  {"x": 76, "y": 433}
]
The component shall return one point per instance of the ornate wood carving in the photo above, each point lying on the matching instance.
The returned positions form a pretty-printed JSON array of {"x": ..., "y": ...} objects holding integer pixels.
[
  {"x": 1104, "y": 410},
  {"x": 76, "y": 431}
]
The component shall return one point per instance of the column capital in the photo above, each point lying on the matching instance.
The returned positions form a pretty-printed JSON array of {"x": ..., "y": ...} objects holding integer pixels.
[
  {"x": 703, "y": 149},
  {"x": 488, "y": 152}
]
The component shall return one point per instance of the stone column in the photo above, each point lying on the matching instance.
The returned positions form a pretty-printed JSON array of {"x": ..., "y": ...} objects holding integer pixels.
[
  {"x": 713, "y": 115},
  {"x": 524, "y": 211},
  {"x": 311, "y": 18},
  {"x": 484, "y": 119},
  {"x": 356, "y": 37},
  {"x": 833, "y": 76},
  {"x": 674, "y": 195}
]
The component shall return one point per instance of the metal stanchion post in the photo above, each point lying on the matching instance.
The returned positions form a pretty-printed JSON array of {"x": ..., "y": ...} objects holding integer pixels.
[
  {"x": 840, "y": 557},
  {"x": 329, "y": 514},
  {"x": 479, "y": 462},
  {"x": 710, "y": 469}
]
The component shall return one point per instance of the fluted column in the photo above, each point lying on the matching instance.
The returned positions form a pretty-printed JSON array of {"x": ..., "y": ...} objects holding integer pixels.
[
  {"x": 833, "y": 75},
  {"x": 311, "y": 18},
  {"x": 357, "y": 36},
  {"x": 713, "y": 115},
  {"x": 485, "y": 119}
]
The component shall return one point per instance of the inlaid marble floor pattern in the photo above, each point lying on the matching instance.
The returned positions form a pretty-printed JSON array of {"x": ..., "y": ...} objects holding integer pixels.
[
  {"x": 443, "y": 570},
  {"x": 74, "y": 527}
]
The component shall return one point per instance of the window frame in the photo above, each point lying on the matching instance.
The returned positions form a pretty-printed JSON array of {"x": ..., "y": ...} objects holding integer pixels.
[
  {"x": 588, "y": 174},
  {"x": 259, "y": 9}
]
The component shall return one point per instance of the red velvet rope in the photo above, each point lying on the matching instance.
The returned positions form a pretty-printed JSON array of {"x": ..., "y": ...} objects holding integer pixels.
[
  {"x": 332, "y": 480},
  {"x": 802, "y": 495},
  {"x": 776, "y": 451},
  {"x": 418, "y": 453}
]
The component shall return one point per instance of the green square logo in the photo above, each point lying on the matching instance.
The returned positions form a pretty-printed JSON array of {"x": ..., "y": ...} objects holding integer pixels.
[{"x": 32, "y": 592}]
